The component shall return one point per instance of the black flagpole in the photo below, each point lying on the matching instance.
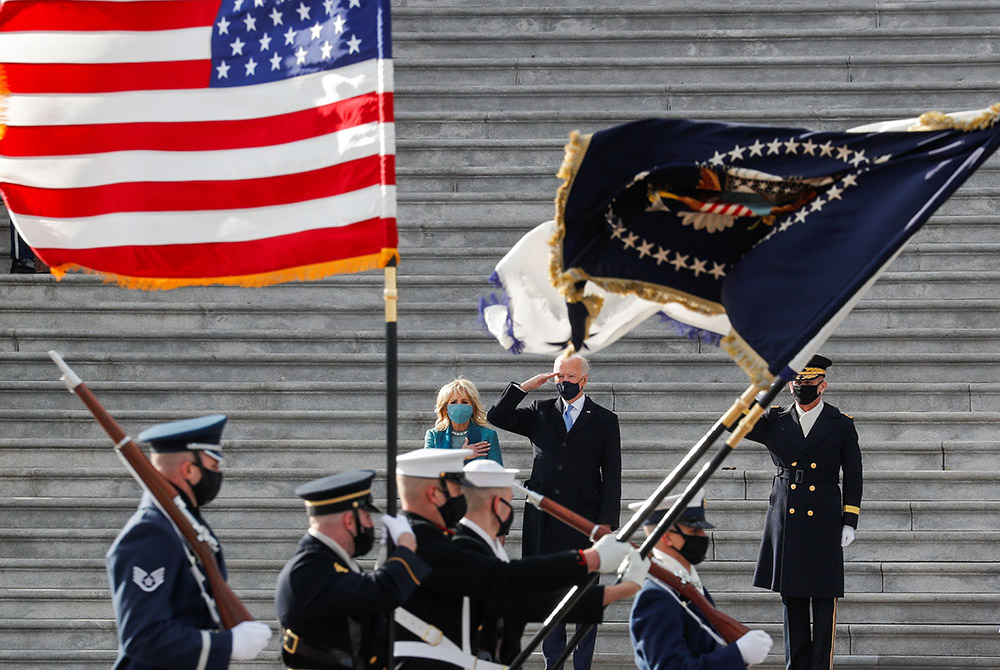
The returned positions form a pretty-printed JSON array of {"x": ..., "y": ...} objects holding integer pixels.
[
  {"x": 693, "y": 487},
  {"x": 391, "y": 296},
  {"x": 728, "y": 419}
]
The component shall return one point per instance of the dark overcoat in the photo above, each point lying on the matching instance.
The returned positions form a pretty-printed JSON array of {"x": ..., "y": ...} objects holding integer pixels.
[
  {"x": 800, "y": 552},
  {"x": 457, "y": 572},
  {"x": 318, "y": 595},
  {"x": 665, "y": 637},
  {"x": 580, "y": 469},
  {"x": 163, "y": 619}
]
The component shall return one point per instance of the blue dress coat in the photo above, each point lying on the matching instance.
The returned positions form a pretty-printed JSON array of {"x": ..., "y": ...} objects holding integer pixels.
[
  {"x": 163, "y": 620},
  {"x": 441, "y": 439},
  {"x": 665, "y": 637}
]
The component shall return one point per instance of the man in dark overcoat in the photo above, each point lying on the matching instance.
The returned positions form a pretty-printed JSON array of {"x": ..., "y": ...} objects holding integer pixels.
[
  {"x": 810, "y": 518},
  {"x": 577, "y": 463}
]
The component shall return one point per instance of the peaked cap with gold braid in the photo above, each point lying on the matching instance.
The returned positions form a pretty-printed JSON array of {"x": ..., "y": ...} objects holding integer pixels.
[{"x": 816, "y": 368}]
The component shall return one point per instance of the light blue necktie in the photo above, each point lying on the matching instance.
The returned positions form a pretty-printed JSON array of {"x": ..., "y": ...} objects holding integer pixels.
[{"x": 568, "y": 417}]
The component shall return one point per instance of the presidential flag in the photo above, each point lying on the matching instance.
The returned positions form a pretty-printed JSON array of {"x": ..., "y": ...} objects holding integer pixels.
[
  {"x": 166, "y": 143},
  {"x": 762, "y": 237}
]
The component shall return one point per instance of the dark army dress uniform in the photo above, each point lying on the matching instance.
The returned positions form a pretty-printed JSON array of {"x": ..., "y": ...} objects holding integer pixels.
[
  {"x": 332, "y": 614},
  {"x": 800, "y": 553}
]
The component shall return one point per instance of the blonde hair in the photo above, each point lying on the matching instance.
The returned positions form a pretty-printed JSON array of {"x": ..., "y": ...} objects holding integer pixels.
[{"x": 469, "y": 390}]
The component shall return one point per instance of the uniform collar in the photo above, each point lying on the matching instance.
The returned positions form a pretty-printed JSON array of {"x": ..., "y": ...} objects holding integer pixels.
[
  {"x": 337, "y": 549},
  {"x": 678, "y": 570},
  {"x": 815, "y": 411},
  {"x": 493, "y": 542}
]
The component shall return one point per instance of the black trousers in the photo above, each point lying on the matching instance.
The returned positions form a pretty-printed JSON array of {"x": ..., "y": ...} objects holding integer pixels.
[{"x": 809, "y": 647}]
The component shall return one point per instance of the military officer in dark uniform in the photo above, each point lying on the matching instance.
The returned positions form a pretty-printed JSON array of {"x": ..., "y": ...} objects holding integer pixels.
[
  {"x": 809, "y": 518},
  {"x": 435, "y": 628},
  {"x": 166, "y": 616},
  {"x": 334, "y": 615}
]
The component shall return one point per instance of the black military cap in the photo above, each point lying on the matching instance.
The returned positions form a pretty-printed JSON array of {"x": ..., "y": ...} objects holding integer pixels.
[
  {"x": 338, "y": 493},
  {"x": 816, "y": 368},
  {"x": 200, "y": 434}
]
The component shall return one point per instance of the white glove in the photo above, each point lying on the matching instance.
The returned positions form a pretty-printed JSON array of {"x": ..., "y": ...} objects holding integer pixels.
[
  {"x": 634, "y": 568},
  {"x": 846, "y": 536},
  {"x": 754, "y": 646},
  {"x": 249, "y": 639},
  {"x": 395, "y": 526},
  {"x": 611, "y": 552}
]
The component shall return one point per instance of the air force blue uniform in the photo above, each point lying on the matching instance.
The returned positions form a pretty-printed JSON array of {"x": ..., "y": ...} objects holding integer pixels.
[
  {"x": 163, "y": 620},
  {"x": 666, "y": 637}
]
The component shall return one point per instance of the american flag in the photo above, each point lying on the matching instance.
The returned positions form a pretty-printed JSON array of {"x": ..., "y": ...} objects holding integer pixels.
[{"x": 181, "y": 142}]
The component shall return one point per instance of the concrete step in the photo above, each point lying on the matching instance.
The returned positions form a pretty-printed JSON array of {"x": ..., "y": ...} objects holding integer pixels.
[
  {"x": 563, "y": 16},
  {"x": 651, "y": 337},
  {"x": 415, "y": 397},
  {"x": 730, "y": 43},
  {"x": 653, "y": 97},
  {"x": 344, "y": 423},
  {"x": 656, "y": 454},
  {"x": 516, "y": 71},
  {"x": 28, "y": 513},
  {"x": 711, "y": 366},
  {"x": 897, "y": 485}
]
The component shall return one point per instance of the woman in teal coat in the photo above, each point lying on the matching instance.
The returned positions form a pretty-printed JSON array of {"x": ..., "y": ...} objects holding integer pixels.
[{"x": 461, "y": 422}]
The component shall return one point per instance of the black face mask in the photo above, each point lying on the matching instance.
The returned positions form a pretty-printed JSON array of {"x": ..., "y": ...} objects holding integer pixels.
[
  {"x": 695, "y": 548},
  {"x": 805, "y": 395},
  {"x": 568, "y": 390},
  {"x": 364, "y": 540},
  {"x": 453, "y": 509},
  {"x": 505, "y": 525},
  {"x": 208, "y": 486}
]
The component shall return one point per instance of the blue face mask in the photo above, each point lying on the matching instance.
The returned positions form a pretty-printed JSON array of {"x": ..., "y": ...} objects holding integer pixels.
[{"x": 459, "y": 413}]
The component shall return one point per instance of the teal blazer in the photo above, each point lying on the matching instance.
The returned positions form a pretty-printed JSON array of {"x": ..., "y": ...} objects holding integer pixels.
[{"x": 441, "y": 439}]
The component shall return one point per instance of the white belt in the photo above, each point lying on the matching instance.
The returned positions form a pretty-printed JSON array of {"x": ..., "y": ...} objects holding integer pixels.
[{"x": 435, "y": 645}]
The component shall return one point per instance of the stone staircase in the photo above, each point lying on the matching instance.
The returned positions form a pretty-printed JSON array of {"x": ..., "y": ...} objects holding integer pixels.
[{"x": 486, "y": 94}]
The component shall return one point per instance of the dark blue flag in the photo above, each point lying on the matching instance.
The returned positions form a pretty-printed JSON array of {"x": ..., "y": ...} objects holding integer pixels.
[{"x": 779, "y": 229}]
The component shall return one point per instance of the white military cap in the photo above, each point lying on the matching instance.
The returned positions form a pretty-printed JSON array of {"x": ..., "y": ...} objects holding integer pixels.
[
  {"x": 486, "y": 474},
  {"x": 433, "y": 463},
  {"x": 693, "y": 515}
]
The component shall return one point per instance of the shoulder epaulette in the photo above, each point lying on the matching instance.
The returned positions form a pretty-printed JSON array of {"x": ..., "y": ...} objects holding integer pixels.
[
  {"x": 775, "y": 406},
  {"x": 849, "y": 416}
]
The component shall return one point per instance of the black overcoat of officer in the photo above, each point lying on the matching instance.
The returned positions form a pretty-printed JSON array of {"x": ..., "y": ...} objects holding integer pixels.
[
  {"x": 800, "y": 552},
  {"x": 579, "y": 469}
]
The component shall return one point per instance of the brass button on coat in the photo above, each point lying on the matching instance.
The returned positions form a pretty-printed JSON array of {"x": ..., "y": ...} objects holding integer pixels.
[
  {"x": 812, "y": 488},
  {"x": 791, "y": 511},
  {"x": 792, "y": 487},
  {"x": 812, "y": 465},
  {"x": 810, "y": 512}
]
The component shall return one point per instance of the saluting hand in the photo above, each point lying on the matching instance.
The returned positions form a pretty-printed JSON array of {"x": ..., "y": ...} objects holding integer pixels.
[
  {"x": 537, "y": 381},
  {"x": 399, "y": 529}
]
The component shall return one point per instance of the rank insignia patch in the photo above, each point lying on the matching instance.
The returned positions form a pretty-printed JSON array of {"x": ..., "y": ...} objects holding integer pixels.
[{"x": 147, "y": 581}]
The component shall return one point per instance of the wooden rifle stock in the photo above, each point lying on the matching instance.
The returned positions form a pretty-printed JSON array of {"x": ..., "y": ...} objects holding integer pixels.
[
  {"x": 730, "y": 629},
  {"x": 230, "y": 608}
]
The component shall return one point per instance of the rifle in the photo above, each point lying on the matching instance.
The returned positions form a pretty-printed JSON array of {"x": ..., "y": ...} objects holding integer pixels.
[
  {"x": 730, "y": 629},
  {"x": 231, "y": 610}
]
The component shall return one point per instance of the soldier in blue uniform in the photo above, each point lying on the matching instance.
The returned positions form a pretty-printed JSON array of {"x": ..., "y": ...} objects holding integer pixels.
[
  {"x": 333, "y": 614},
  {"x": 165, "y": 612},
  {"x": 809, "y": 518},
  {"x": 668, "y": 631}
]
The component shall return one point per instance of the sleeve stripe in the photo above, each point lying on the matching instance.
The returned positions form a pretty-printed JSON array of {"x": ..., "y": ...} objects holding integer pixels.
[
  {"x": 851, "y": 509},
  {"x": 407, "y": 566},
  {"x": 206, "y": 647}
]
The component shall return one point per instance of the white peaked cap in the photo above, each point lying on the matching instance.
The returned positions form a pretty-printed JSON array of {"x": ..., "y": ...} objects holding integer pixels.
[
  {"x": 432, "y": 463},
  {"x": 486, "y": 474}
]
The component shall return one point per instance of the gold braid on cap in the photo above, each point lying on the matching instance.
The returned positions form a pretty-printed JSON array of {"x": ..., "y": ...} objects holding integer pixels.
[
  {"x": 330, "y": 501},
  {"x": 812, "y": 372}
]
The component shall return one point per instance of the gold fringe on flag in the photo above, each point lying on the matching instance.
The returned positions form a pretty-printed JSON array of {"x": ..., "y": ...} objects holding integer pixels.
[
  {"x": 941, "y": 121},
  {"x": 748, "y": 359},
  {"x": 301, "y": 273}
]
